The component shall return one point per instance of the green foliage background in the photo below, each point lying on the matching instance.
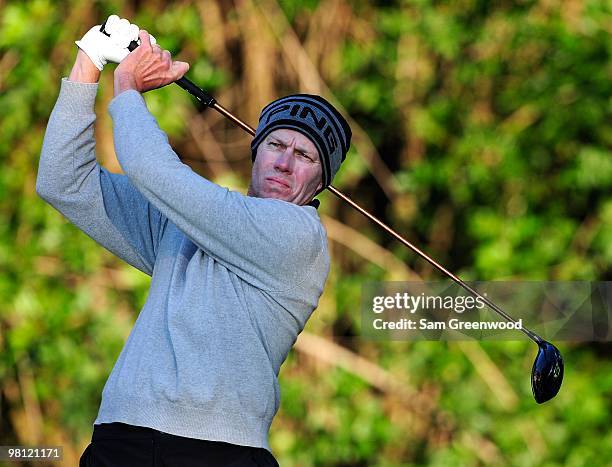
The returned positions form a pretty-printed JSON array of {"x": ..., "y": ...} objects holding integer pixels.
[{"x": 482, "y": 132}]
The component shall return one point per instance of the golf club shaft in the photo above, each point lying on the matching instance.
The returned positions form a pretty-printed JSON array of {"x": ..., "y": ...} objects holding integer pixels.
[{"x": 533, "y": 336}]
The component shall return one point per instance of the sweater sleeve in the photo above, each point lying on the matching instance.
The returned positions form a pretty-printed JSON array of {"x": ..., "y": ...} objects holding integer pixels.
[
  {"x": 269, "y": 243},
  {"x": 104, "y": 205}
]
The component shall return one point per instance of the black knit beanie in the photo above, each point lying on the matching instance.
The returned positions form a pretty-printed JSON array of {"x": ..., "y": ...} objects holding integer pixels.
[{"x": 315, "y": 118}]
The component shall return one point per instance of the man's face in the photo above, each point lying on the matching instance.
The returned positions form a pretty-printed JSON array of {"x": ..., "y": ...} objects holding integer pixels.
[{"x": 287, "y": 167}]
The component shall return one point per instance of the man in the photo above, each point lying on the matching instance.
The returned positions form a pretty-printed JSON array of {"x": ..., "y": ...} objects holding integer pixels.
[{"x": 234, "y": 277}]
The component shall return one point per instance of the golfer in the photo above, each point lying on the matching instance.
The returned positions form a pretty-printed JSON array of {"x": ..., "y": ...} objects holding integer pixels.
[{"x": 234, "y": 277}]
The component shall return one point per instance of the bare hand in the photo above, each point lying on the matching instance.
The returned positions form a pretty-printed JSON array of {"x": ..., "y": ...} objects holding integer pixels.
[{"x": 147, "y": 67}]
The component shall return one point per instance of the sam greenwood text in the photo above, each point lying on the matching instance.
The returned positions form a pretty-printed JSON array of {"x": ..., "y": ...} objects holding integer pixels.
[{"x": 453, "y": 323}]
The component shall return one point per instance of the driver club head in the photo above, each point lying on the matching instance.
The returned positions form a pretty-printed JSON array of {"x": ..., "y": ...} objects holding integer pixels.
[{"x": 547, "y": 372}]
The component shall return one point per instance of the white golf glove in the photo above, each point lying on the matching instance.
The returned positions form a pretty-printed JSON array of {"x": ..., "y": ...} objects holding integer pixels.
[{"x": 102, "y": 49}]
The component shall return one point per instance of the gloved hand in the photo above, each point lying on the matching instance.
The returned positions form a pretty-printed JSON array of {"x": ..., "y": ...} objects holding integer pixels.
[{"x": 101, "y": 48}]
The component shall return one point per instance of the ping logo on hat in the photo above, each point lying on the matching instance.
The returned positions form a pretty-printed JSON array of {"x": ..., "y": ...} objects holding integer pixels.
[{"x": 320, "y": 123}]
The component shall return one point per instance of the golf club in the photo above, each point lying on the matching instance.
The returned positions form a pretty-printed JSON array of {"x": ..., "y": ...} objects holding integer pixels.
[{"x": 547, "y": 371}]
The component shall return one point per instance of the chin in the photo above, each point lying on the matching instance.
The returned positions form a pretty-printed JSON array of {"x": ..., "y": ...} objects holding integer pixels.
[
  {"x": 274, "y": 195},
  {"x": 286, "y": 198},
  {"x": 282, "y": 198}
]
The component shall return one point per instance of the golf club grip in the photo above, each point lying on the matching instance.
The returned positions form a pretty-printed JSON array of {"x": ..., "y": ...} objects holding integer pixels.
[
  {"x": 196, "y": 91},
  {"x": 183, "y": 82}
]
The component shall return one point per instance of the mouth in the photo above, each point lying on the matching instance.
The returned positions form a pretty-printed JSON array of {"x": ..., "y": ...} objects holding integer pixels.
[{"x": 278, "y": 181}]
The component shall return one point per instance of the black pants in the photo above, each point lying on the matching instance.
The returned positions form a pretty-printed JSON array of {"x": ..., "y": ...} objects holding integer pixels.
[{"x": 121, "y": 445}]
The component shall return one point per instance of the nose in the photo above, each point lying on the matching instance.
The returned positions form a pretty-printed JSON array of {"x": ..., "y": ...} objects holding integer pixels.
[{"x": 284, "y": 161}]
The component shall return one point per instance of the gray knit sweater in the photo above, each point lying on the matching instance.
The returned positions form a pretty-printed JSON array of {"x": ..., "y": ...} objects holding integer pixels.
[{"x": 234, "y": 278}]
